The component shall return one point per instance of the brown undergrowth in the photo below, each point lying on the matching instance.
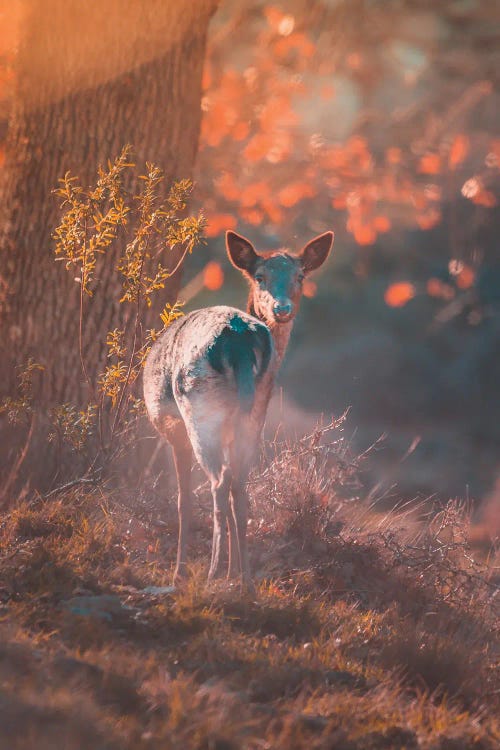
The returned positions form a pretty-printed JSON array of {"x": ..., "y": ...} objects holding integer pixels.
[{"x": 368, "y": 629}]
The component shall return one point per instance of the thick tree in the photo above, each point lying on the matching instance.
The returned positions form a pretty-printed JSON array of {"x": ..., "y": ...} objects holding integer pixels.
[{"x": 91, "y": 77}]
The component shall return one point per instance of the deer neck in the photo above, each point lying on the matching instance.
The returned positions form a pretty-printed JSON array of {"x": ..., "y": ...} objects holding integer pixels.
[{"x": 279, "y": 331}]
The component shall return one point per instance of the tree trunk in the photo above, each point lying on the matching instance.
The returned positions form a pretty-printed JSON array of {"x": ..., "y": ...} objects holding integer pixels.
[{"x": 92, "y": 77}]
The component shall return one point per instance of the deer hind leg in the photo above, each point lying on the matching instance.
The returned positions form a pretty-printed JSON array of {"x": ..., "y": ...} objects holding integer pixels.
[
  {"x": 183, "y": 458},
  {"x": 242, "y": 458},
  {"x": 240, "y": 512},
  {"x": 221, "y": 485},
  {"x": 209, "y": 448},
  {"x": 172, "y": 429},
  {"x": 234, "y": 555},
  {"x": 207, "y": 427}
]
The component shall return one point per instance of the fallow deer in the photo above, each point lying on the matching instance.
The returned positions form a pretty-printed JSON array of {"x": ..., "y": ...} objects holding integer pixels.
[{"x": 207, "y": 384}]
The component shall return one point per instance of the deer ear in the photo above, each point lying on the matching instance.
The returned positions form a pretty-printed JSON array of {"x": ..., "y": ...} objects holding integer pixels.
[
  {"x": 241, "y": 252},
  {"x": 314, "y": 254}
]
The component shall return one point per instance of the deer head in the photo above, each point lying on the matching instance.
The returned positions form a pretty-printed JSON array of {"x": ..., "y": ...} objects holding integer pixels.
[{"x": 276, "y": 278}]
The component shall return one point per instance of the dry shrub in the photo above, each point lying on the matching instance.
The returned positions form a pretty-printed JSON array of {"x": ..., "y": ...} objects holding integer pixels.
[
  {"x": 300, "y": 488},
  {"x": 440, "y": 614},
  {"x": 369, "y": 630}
]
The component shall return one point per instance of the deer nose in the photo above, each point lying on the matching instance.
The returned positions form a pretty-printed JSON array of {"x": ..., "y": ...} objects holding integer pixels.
[{"x": 282, "y": 308}]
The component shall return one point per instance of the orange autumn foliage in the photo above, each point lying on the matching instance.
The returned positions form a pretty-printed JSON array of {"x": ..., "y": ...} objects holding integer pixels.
[
  {"x": 393, "y": 155},
  {"x": 484, "y": 198},
  {"x": 266, "y": 132},
  {"x": 382, "y": 223},
  {"x": 399, "y": 294},
  {"x": 274, "y": 16},
  {"x": 434, "y": 287},
  {"x": 364, "y": 234},
  {"x": 277, "y": 112},
  {"x": 428, "y": 219},
  {"x": 241, "y": 131},
  {"x": 213, "y": 276},
  {"x": 217, "y": 223},
  {"x": 227, "y": 186},
  {"x": 339, "y": 202},
  {"x": 294, "y": 192},
  {"x": 298, "y": 43},
  {"x": 258, "y": 147},
  {"x": 458, "y": 151},
  {"x": 215, "y": 125},
  {"x": 465, "y": 278},
  {"x": 254, "y": 193},
  {"x": 252, "y": 216},
  {"x": 437, "y": 288},
  {"x": 273, "y": 211},
  {"x": 430, "y": 163}
]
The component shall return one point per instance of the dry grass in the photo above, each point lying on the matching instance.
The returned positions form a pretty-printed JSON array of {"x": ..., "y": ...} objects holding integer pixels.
[{"x": 368, "y": 630}]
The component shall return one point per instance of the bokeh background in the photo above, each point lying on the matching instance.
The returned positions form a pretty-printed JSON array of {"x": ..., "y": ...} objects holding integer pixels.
[{"x": 379, "y": 120}]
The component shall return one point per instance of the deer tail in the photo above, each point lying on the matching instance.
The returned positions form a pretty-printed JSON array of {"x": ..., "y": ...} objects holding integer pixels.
[{"x": 246, "y": 349}]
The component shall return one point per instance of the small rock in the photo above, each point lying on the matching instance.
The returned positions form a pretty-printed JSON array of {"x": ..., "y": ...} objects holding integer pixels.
[
  {"x": 158, "y": 590},
  {"x": 103, "y": 607}
]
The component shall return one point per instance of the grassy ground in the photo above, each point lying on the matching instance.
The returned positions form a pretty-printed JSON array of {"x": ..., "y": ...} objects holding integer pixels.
[{"x": 366, "y": 631}]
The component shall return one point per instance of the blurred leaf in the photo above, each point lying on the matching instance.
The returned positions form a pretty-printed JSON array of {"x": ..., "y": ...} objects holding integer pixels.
[{"x": 398, "y": 294}]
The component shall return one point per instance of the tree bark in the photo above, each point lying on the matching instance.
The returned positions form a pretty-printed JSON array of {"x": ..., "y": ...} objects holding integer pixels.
[{"x": 92, "y": 77}]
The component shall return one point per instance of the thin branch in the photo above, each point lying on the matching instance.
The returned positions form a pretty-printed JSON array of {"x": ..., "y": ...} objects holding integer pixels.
[
  {"x": 11, "y": 478},
  {"x": 178, "y": 265},
  {"x": 73, "y": 483}
]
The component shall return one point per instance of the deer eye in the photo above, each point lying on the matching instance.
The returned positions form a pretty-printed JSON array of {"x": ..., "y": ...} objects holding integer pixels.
[
  {"x": 259, "y": 278},
  {"x": 301, "y": 277}
]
